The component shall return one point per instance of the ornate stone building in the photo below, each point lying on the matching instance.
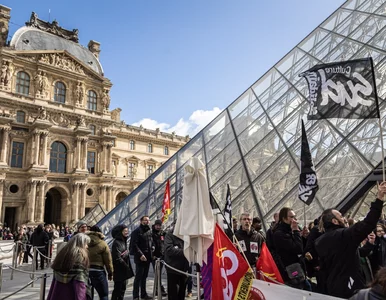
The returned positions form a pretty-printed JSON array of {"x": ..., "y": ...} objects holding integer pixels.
[{"x": 62, "y": 150}]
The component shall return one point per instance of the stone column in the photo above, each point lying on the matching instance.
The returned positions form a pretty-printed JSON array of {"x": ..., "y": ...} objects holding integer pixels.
[
  {"x": 109, "y": 200},
  {"x": 109, "y": 146},
  {"x": 39, "y": 216},
  {"x": 4, "y": 144},
  {"x": 75, "y": 202},
  {"x": 102, "y": 197},
  {"x": 104, "y": 157},
  {"x": 1, "y": 198},
  {"x": 85, "y": 153},
  {"x": 31, "y": 202},
  {"x": 37, "y": 146},
  {"x": 44, "y": 150},
  {"x": 78, "y": 152},
  {"x": 82, "y": 206}
]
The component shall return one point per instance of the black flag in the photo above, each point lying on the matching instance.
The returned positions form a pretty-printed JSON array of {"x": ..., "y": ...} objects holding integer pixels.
[
  {"x": 344, "y": 90},
  {"x": 308, "y": 183},
  {"x": 228, "y": 211}
]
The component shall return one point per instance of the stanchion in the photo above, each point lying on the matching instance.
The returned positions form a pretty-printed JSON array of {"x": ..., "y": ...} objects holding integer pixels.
[
  {"x": 159, "y": 280},
  {"x": 1, "y": 276},
  {"x": 43, "y": 283},
  {"x": 34, "y": 259},
  {"x": 49, "y": 254},
  {"x": 155, "y": 280},
  {"x": 14, "y": 258}
]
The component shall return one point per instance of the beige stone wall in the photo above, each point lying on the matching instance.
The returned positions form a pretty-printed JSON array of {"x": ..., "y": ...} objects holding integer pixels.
[{"x": 33, "y": 193}]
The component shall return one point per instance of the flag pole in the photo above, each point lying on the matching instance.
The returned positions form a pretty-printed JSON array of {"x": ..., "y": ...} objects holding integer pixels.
[{"x": 383, "y": 151}]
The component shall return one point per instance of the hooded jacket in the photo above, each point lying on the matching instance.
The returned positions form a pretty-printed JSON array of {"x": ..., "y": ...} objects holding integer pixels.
[
  {"x": 120, "y": 255},
  {"x": 158, "y": 242},
  {"x": 174, "y": 254},
  {"x": 339, "y": 255},
  {"x": 99, "y": 253}
]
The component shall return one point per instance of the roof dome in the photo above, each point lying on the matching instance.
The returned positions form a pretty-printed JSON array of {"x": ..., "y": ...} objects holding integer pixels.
[{"x": 29, "y": 38}]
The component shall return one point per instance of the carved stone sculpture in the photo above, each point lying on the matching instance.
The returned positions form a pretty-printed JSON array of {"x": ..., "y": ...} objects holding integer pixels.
[
  {"x": 106, "y": 99},
  {"x": 42, "y": 113},
  {"x": 6, "y": 73},
  {"x": 41, "y": 84},
  {"x": 81, "y": 122},
  {"x": 79, "y": 93},
  {"x": 61, "y": 61}
]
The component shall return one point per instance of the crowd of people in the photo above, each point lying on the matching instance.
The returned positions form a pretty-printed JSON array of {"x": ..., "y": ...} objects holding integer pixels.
[{"x": 332, "y": 255}]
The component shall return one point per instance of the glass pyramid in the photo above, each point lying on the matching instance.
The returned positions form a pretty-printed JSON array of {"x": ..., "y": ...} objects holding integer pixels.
[{"x": 254, "y": 144}]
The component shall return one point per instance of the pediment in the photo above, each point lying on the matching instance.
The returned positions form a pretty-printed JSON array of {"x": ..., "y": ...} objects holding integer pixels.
[
  {"x": 132, "y": 158},
  {"x": 59, "y": 59}
]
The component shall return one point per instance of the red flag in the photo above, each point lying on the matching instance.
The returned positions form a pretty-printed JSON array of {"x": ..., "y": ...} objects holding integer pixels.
[
  {"x": 232, "y": 276},
  {"x": 166, "y": 205},
  {"x": 267, "y": 265}
]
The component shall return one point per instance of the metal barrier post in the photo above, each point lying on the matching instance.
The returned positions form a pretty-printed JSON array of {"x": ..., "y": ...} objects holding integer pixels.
[
  {"x": 34, "y": 265},
  {"x": 155, "y": 279},
  {"x": 43, "y": 283},
  {"x": 14, "y": 258},
  {"x": 1, "y": 275},
  {"x": 49, "y": 254}
]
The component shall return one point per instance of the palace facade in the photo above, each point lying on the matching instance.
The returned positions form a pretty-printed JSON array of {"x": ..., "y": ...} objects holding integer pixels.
[{"x": 62, "y": 150}]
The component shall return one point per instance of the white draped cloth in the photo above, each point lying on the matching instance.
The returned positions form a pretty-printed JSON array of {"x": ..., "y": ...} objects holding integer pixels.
[{"x": 195, "y": 221}]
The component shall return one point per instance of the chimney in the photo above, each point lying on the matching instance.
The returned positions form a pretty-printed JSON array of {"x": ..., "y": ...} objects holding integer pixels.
[
  {"x": 94, "y": 47},
  {"x": 5, "y": 15}
]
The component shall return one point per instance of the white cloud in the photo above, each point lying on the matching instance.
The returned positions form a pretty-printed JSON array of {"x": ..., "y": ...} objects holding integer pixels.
[{"x": 197, "y": 120}]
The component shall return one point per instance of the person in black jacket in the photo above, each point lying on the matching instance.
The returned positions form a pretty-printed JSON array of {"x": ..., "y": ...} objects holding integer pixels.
[
  {"x": 249, "y": 239},
  {"x": 158, "y": 247},
  {"x": 121, "y": 261},
  {"x": 141, "y": 242},
  {"x": 174, "y": 257},
  {"x": 377, "y": 290},
  {"x": 338, "y": 248},
  {"x": 40, "y": 239},
  {"x": 288, "y": 244},
  {"x": 269, "y": 234}
]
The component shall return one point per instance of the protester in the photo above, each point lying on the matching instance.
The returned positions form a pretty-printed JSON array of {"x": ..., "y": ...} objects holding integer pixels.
[
  {"x": 288, "y": 247},
  {"x": 71, "y": 271},
  {"x": 141, "y": 243},
  {"x": 121, "y": 261},
  {"x": 234, "y": 224},
  {"x": 377, "y": 290},
  {"x": 257, "y": 225},
  {"x": 21, "y": 242},
  {"x": 378, "y": 255},
  {"x": 100, "y": 261},
  {"x": 249, "y": 239},
  {"x": 365, "y": 249},
  {"x": 40, "y": 239},
  {"x": 269, "y": 234},
  {"x": 158, "y": 248},
  {"x": 174, "y": 257},
  {"x": 338, "y": 248}
]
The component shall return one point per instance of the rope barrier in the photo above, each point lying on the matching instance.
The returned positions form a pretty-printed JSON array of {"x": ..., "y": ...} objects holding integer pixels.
[
  {"x": 26, "y": 272},
  {"x": 4, "y": 251},
  {"x": 176, "y": 270},
  {"x": 19, "y": 290},
  {"x": 42, "y": 254}
]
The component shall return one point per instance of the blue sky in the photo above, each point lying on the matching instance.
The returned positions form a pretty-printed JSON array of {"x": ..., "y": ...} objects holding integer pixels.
[{"x": 175, "y": 64}]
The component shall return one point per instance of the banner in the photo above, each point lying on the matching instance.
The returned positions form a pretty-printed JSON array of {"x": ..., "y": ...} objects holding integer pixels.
[
  {"x": 308, "y": 182},
  {"x": 267, "y": 265},
  {"x": 166, "y": 204},
  {"x": 344, "y": 90},
  {"x": 231, "y": 277},
  {"x": 228, "y": 211},
  {"x": 262, "y": 290}
]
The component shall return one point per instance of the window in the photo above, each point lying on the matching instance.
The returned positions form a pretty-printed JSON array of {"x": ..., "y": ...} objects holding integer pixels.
[
  {"x": 20, "y": 116},
  {"x": 17, "y": 155},
  {"x": 22, "y": 83},
  {"x": 91, "y": 162},
  {"x": 58, "y": 157},
  {"x": 150, "y": 148},
  {"x": 93, "y": 129},
  {"x": 131, "y": 170},
  {"x": 150, "y": 170},
  {"x": 60, "y": 92},
  {"x": 166, "y": 150},
  {"x": 132, "y": 145},
  {"x": 92, "y": 100}
]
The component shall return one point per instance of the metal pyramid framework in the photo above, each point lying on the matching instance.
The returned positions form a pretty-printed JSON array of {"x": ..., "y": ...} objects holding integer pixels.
[{"x": 254, "y": 144}]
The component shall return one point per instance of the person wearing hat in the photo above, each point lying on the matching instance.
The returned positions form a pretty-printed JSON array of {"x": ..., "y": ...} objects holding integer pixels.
[
  {"x": 158, "y": 247},
  {"x": 81, "y": 227},
  {"x": 100, "y": 262},
  {"x": 121, "y": 261}
]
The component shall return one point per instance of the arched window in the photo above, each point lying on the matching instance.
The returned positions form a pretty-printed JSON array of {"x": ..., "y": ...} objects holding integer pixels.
[
  {"x": 22, "y": 83},
  {"x": 93, "y": 129},
  {"x": 58, "y": 157},
  {"x": 150, "y": 148},
  {"x": 132, "y": 145},
  {"x": 92, "y": 100},
  {"x": 166, "y": 150},
  {"x": 20, "y": 116},
  {"x": 60, "y": 92}
]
